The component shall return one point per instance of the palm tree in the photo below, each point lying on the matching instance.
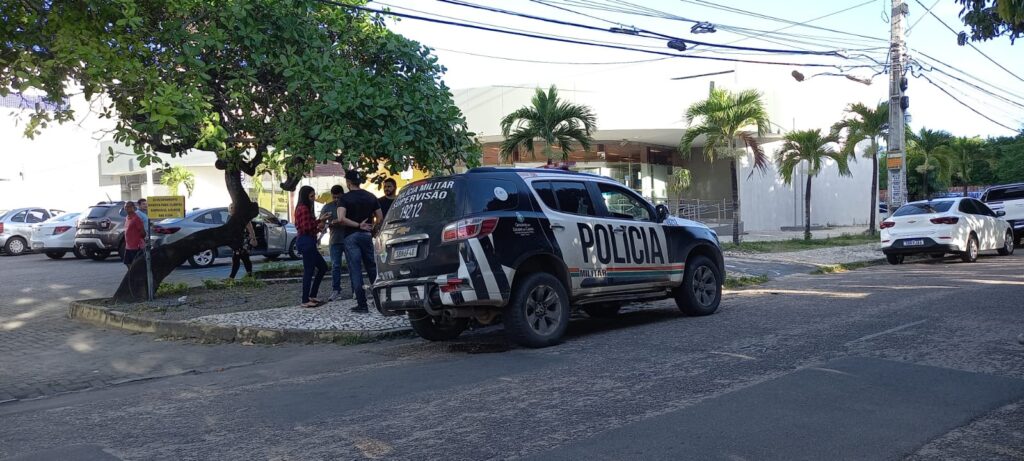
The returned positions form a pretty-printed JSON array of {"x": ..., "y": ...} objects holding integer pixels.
[
  {"x": 551, "y": 121},
  {"x": 811, "y": 147},
  {"x": 725, "y": 118},
  {"x": 865, "y": 124},
  {"x": 175, "y": 176},
  {"x": 274, "y": 165},
  {"x": 965, "y": 150},
  {"x": 932, "y": 149}
]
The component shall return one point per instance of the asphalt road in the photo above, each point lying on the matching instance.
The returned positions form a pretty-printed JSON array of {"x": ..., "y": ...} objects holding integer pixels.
[{"x": 917, "y": 361}]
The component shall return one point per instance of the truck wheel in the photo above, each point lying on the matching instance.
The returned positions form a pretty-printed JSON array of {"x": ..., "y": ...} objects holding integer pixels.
[
  {"x": 603, "y": 311},
  {"x": 436, "y": 328},
  {"x": 77, "y": 251},
  {"x": 55, "y": 254},
  {"x": 538, "y": 313},
  {"x": 99, "y": 255},
  {"x": 1008, "y": 244},
  {"x": 971, "y": 254},
  {"x": 701, "y": 291}
]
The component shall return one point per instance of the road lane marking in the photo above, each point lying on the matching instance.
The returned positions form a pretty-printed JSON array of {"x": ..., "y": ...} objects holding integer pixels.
[
  {"x": 891, "y": 330},
  {"x": 739, "y": 356}
]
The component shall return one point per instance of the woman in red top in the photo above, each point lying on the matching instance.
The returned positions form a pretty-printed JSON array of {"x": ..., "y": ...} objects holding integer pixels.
[
  {"x": 134, "y": 234},
  {"x": 313, "y": 265}
]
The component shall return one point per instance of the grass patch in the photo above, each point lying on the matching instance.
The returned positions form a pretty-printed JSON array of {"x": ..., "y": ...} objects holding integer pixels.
[
  {"x": 244, "y": 282},
  {"x": 782, "y": 246},
  {"x": 171, "y": 289},
  {"x": 846, "y": 267},
  {"x": 745, "y": 281}
]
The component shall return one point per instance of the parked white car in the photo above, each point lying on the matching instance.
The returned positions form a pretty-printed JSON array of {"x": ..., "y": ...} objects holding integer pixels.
[
  {"x": 962, "y": 226},
  {"x": 55, "y": 237},
  {"x": 1008, "y": 198}
]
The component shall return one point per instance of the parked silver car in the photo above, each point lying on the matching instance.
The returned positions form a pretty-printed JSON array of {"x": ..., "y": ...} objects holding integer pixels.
[
  {"x": 274, "y": 237},
  {"x": 16, "y": 227},
  {"x": 55, "y": 237}
]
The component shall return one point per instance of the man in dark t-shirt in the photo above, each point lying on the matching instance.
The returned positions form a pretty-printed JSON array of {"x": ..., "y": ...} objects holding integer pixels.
[
  {"x": 390, "y": 189},
  {"x": 358, "y": 213}
]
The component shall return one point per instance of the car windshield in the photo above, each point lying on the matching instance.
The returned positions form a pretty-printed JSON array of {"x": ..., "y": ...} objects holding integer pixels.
[
  {"x": 97, "y": 212},
  {"x": 924, "y": 208}
]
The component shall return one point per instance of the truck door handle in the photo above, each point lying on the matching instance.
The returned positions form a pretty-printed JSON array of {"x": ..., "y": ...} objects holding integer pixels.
[{"x": 557, "y": 226}]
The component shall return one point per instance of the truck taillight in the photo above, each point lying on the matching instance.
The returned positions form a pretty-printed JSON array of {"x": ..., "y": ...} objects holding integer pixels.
[
  {"x": 945, "y": 220},
  {"x": 468, "y": 228},
  {"x": 61, "y": 229},
  {"x": 887, "y": 224}
]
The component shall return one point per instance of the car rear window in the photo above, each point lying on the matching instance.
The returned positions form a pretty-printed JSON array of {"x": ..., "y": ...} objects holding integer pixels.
[
  {"x": 492, "y": 195},
  {"x": 999, "y": 195},
  {"x": 924, "y": 208},
  {"x": 435, "y": 200},
  {"x": 3, "y": 214},
  {"x": 97, "y": 212},
  {"x": 63, "y": 217}
]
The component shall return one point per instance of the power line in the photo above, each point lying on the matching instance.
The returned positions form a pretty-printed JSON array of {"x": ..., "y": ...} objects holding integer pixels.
[
  {"x": 532, "y": 61},
  {"x": 635, "y": 30},
  {"x": 976, "y": 111},
  {"x": 992, "y": 87},
  {"x": 971, "y": 44},
  {"x": 580, "y": 42},
  {"x": 922, "y": 16},
  {"x": 703, "y": 75},
  {"x": 972, "y": 85},
  {"x": 811, "y": 20},
  {"x": 708, "y": 4}
]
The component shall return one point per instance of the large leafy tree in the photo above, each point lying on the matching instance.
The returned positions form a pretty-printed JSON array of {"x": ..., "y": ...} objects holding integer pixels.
[
  {"x": 725, "y": 119},
  {"x": 816, "y": 150},
  {"x": 314, "y": 81},
  {"x": 965, "y": 151},
  {"x": 989, "y": 19},
  {"x": 864, "y": 123},
  {"x": 551, "y": 121},
  {"x": 927, "y": 151}
]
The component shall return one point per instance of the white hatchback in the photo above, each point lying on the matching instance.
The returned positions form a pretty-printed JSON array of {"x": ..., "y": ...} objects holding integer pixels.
[{"x": 962, "y": 226}]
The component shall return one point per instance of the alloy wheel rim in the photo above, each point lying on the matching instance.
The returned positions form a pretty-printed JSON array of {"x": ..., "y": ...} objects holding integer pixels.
[
  {"x": 974, "y": 250},
  {"x": 543, "y": 310},
  {"x": 1008, "y": 243},
  {"x": 204, "y": 257},
  {"x": 705, "y": 287}
]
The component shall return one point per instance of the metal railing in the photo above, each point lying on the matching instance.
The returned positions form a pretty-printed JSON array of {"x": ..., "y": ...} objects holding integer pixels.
[{"x": 704, "y": 211}]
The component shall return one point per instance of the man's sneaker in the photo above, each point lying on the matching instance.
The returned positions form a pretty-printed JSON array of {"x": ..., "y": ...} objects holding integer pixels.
[
  {"x": 360, "y": 310},
  {"x": 337, "y": 295}
]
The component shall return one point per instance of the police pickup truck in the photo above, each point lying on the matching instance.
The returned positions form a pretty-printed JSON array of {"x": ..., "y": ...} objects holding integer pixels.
[{"x": 528, "y": 246}]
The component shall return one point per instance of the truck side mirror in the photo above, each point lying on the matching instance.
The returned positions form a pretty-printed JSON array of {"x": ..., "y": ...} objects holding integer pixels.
[{"x": 662, "y": 211}]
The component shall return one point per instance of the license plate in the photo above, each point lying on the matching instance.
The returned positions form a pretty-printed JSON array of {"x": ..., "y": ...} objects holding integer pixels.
[
  {"x": 913, "y": 243},
  {"x": 404, "y": 252}
]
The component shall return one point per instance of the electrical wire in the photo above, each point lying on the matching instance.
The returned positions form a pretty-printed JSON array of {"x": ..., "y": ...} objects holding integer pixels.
[
  {"x": 533, "y": 61},
  {"x": 580, "y": 42},
  {"x": 708, "y": 4},
  {"x": 971, "y": 44},
  {"x": 990, "y": 86},
  {"x": 922, "y": 17},
  {"x": 972, "y": 109},
  {"x": 965, "y": 82},
  {"x": 636, "y": 30}
]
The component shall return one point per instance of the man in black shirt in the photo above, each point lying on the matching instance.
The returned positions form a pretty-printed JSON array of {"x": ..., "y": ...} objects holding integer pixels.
[
  {"x": 358, "y": 213},
  {"x": 390, "y": 189}
]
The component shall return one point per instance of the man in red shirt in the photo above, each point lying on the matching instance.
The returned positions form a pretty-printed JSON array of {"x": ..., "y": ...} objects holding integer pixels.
[{"x": 134, "y": 234}]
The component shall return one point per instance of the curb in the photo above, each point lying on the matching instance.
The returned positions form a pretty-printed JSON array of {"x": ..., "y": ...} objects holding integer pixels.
[{"x": 101, "y": 316}]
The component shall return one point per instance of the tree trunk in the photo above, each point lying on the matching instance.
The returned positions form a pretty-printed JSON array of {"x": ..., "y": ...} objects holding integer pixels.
[
  {"x": 167, "y": 258},
  {"x": 925, "y": 182},
  {"x": 735, "y": 202},
  {"x": 807, "y": 209},
  {"x": 874, "y": 187}
]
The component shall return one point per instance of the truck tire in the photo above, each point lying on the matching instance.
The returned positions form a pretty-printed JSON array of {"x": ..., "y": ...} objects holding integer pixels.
[
  {"x": 537, "y": 315},
  {"x": 701, "y": 291},
  {"x": 436, "y": 328},
  {"x": 99, "y": 255}
]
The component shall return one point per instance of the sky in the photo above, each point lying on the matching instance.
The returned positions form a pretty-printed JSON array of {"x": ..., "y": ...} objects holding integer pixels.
[
  {"x": 643, "y": 93},
  {"x": 59, "y": 168}
]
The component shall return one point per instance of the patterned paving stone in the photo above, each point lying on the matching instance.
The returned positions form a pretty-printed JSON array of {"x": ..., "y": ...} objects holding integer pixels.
[{"x": 331, "y": 316}]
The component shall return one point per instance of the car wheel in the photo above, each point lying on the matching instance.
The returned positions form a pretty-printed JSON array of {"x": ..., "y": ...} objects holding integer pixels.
[
  {"x": 971, "y": 254},
  {"x": 436, "y": 328},
  {"x": 204, "y": 258},
  {"x": 894, "y": 259},
  {"x": 701, "y": 291},
  {"x": 99, "y": 255},
  {"x": 293, "y": 252},
  {"x": 1008, "y": 245},
  {"x": 603, "y": 311},
  {"x": 55, "y": 254},
  {"x": 15, "y": 246},
  {"x": 537, "y": 315},
  {"x": 77, "y": 251}
]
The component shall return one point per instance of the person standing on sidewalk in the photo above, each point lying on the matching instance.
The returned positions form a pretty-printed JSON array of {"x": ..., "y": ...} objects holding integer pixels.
[
  {"x": 143, "y": 211},
  {"x": 134, "y": 234},
  {"x": 313, "y": 265},
  {"x": 358, "y": 212},
  {"x": 337, "y": 242},
  {"x": 240, "y": 250},
  {"x": 390, "y": 193}
]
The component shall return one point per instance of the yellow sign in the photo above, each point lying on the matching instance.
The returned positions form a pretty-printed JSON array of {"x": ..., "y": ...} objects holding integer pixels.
[
  {"x": 279, "y": 202},
  {"x": 163, "y": 207},
  {"x": 894, "y": 163}
]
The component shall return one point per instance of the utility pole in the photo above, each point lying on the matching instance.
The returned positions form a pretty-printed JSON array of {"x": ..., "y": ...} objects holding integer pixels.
[{"x": 898, "y": 103}]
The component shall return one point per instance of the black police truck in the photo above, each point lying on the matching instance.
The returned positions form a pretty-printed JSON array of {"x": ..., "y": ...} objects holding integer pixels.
[{"x": 527, "y": 246}]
